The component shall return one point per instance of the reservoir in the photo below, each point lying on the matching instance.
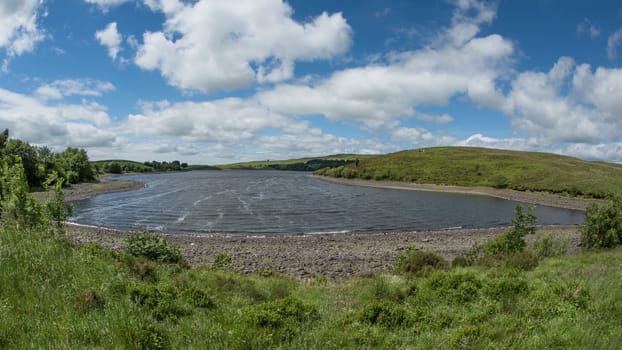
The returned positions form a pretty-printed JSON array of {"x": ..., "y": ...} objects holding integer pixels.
[{"x": 285, "y": 203}]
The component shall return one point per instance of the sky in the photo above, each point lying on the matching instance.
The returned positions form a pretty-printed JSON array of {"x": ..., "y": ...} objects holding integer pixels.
[{"x": 214, "y": 81}]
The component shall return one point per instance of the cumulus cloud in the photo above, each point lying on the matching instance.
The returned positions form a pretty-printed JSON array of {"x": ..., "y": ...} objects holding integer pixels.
[
  {"x": 227, "y": 120},
  {"x": 216, "y": 45},
  {"x": 58, "y": 126},
  {"x": 379, "y": 94},
  {"x": 19, "y": 31},
  {"x": 81, "y": 87},
  {"x": 588, "y": 113},
  {"x": 111, "y": 39},
  {"x": 613, "y": 42}
]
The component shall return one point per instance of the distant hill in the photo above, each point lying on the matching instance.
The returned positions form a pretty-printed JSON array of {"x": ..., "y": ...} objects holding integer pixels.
[
  {"x": 469, "y": 166},
  {"x": 300, "y": 164},
  {"x": 120, "y": 166}
]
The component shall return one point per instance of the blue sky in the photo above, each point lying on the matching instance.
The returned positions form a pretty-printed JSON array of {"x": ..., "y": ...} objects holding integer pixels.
[{"x": 211, "y": 82}]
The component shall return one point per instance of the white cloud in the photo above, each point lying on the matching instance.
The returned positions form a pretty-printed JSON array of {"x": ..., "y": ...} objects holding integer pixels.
[
  {"x": 81, "y": 87},
  {"x": 111, "y": 39},
  {"x": 216, "y": 45},
  {"x": 439, "y": 119},
  {"x": 58, "y": 126},
  {"x": 588, "y": 113},
  {"x": 227, "y": 120},
  {"x": 379, "y": 94},
  {"x": 19, "y": 31},
  {"x": 104, "y": 5},
  {"x": 613, "y": 42}
]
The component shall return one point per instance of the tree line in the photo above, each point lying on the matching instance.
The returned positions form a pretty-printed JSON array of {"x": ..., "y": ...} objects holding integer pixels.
[{"x": 40, "y": 162}]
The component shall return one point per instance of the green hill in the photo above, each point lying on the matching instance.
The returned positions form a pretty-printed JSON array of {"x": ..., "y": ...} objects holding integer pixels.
[
  {"x": 299, "y": 164},
  {"x": 469, "y": 166}
]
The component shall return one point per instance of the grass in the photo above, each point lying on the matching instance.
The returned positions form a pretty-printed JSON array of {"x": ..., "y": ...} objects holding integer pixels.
[
  {"x": 470, "y": 166},
  {"x": 54, "y": 294},
  {"x": 271, "y": 164}
]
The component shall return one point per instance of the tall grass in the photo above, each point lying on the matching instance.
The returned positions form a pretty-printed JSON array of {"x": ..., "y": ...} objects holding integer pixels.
[{"x": 57, "y": 295}]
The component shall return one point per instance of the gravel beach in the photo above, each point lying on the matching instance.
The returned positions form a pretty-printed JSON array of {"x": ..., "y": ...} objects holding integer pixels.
[{"x": 336, "y": 256}]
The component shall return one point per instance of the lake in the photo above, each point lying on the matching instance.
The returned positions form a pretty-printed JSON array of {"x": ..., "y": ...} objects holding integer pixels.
[{"x": 281, "y": 202}]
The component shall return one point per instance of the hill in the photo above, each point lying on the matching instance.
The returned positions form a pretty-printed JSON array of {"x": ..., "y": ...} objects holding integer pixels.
[
  {"x": 299, "y": 164},
  {"x": 469, "y": 166}
]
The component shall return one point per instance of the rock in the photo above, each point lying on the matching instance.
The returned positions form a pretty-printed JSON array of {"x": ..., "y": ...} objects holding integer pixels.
[{"x": 366, "y": 273}]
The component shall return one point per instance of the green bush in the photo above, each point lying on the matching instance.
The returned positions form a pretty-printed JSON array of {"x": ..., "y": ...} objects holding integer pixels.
[
  {"x": 455, "y": 287},
  {"x": 603, "y": 224},
  {"x": 198, "y": 298},
  {"x": 505, "y": 288},
  {"x": 513, "y": 241},
  {"x": 222, "y": 261},
  {"x": 386, "y": 314},
  {"x": 418, "y": 262},
  {"x": 549, "y": 245},
  {"x": 152, "y": 246},
  {"x": 281, "y": 312}
]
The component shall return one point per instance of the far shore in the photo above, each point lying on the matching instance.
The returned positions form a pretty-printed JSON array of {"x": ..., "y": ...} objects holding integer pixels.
[{"x": 537, "y": 198}]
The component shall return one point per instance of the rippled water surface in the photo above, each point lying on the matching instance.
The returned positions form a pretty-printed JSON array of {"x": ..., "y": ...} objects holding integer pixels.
[{"x": 275, "y": 202}]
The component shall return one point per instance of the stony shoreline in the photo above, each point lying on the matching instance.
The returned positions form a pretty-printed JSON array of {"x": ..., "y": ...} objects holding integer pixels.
[
  {"x": 537, "y": 198},
  {"x": 336, "y": 256}
]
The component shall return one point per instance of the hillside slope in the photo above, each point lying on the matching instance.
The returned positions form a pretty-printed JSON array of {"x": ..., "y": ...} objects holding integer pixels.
[{"x": 469, "y": 166}]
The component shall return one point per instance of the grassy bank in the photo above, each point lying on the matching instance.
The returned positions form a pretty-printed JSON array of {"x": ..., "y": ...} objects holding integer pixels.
[
  {"x": 57, "y": 295},
  {"x": 468, "y": 166}
]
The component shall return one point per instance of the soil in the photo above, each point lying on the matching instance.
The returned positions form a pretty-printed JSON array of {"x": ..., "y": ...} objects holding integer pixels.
[{"x": 336, "y": 256}]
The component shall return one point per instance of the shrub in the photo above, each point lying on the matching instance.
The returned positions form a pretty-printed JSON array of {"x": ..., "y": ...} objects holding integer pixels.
[
  {"x": 152, "y": 246},
  {"x": 281, "y": 312},
  {"x": 603, "y": 224},
  {"x": 222, "y": 261},
  {"x": 549, "y": 245},
  {"x": 524, "y": 261},
  {"x": 151, "y": 337},
  {"x": 418, "y": 262},
  {"x": 504, "y": 288},
  {"x": 198, "y": 298},
  {"x": 386, "y": 314},
  {"x": 455, "y": 287},
  {"x": 513, "y": 241}
]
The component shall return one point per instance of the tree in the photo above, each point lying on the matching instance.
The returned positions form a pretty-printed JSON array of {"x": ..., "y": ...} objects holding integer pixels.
[
  {"x": 603, "y": 224},
  {"x": 73, "y": 165}
]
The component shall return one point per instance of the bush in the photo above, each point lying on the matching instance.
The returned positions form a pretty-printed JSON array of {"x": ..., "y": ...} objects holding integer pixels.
[
  {"x": 524, "y": 261},
  {"x": 418, "y": 262},
  {"x": 152, "y": 246},
  {"x": 281, "y": 312},
  {"x": 505, "y": 288},
  {"x": 512, "y": 241},
  {"x": 386, "y": 314},
  {"x": 603, "y": 224},
  {"x": 199, "y": 298},
  {"x": 455, "y": 287},
  {"x": 222, "y": 261},
  {"x": 549, "y": 245}
]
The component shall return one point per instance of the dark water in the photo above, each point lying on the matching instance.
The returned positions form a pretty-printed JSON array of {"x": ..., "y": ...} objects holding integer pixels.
[{"x": 275, "y": 202}]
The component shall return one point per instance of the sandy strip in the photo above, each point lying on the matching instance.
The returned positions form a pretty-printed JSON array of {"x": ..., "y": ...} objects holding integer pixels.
[{"x": 537, "y": 198}]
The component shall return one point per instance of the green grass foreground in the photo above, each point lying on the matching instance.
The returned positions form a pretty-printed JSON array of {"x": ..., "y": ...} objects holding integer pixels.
[
  {"x": 470, "y": 166},
  {"x": 55, "y": 295}
]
